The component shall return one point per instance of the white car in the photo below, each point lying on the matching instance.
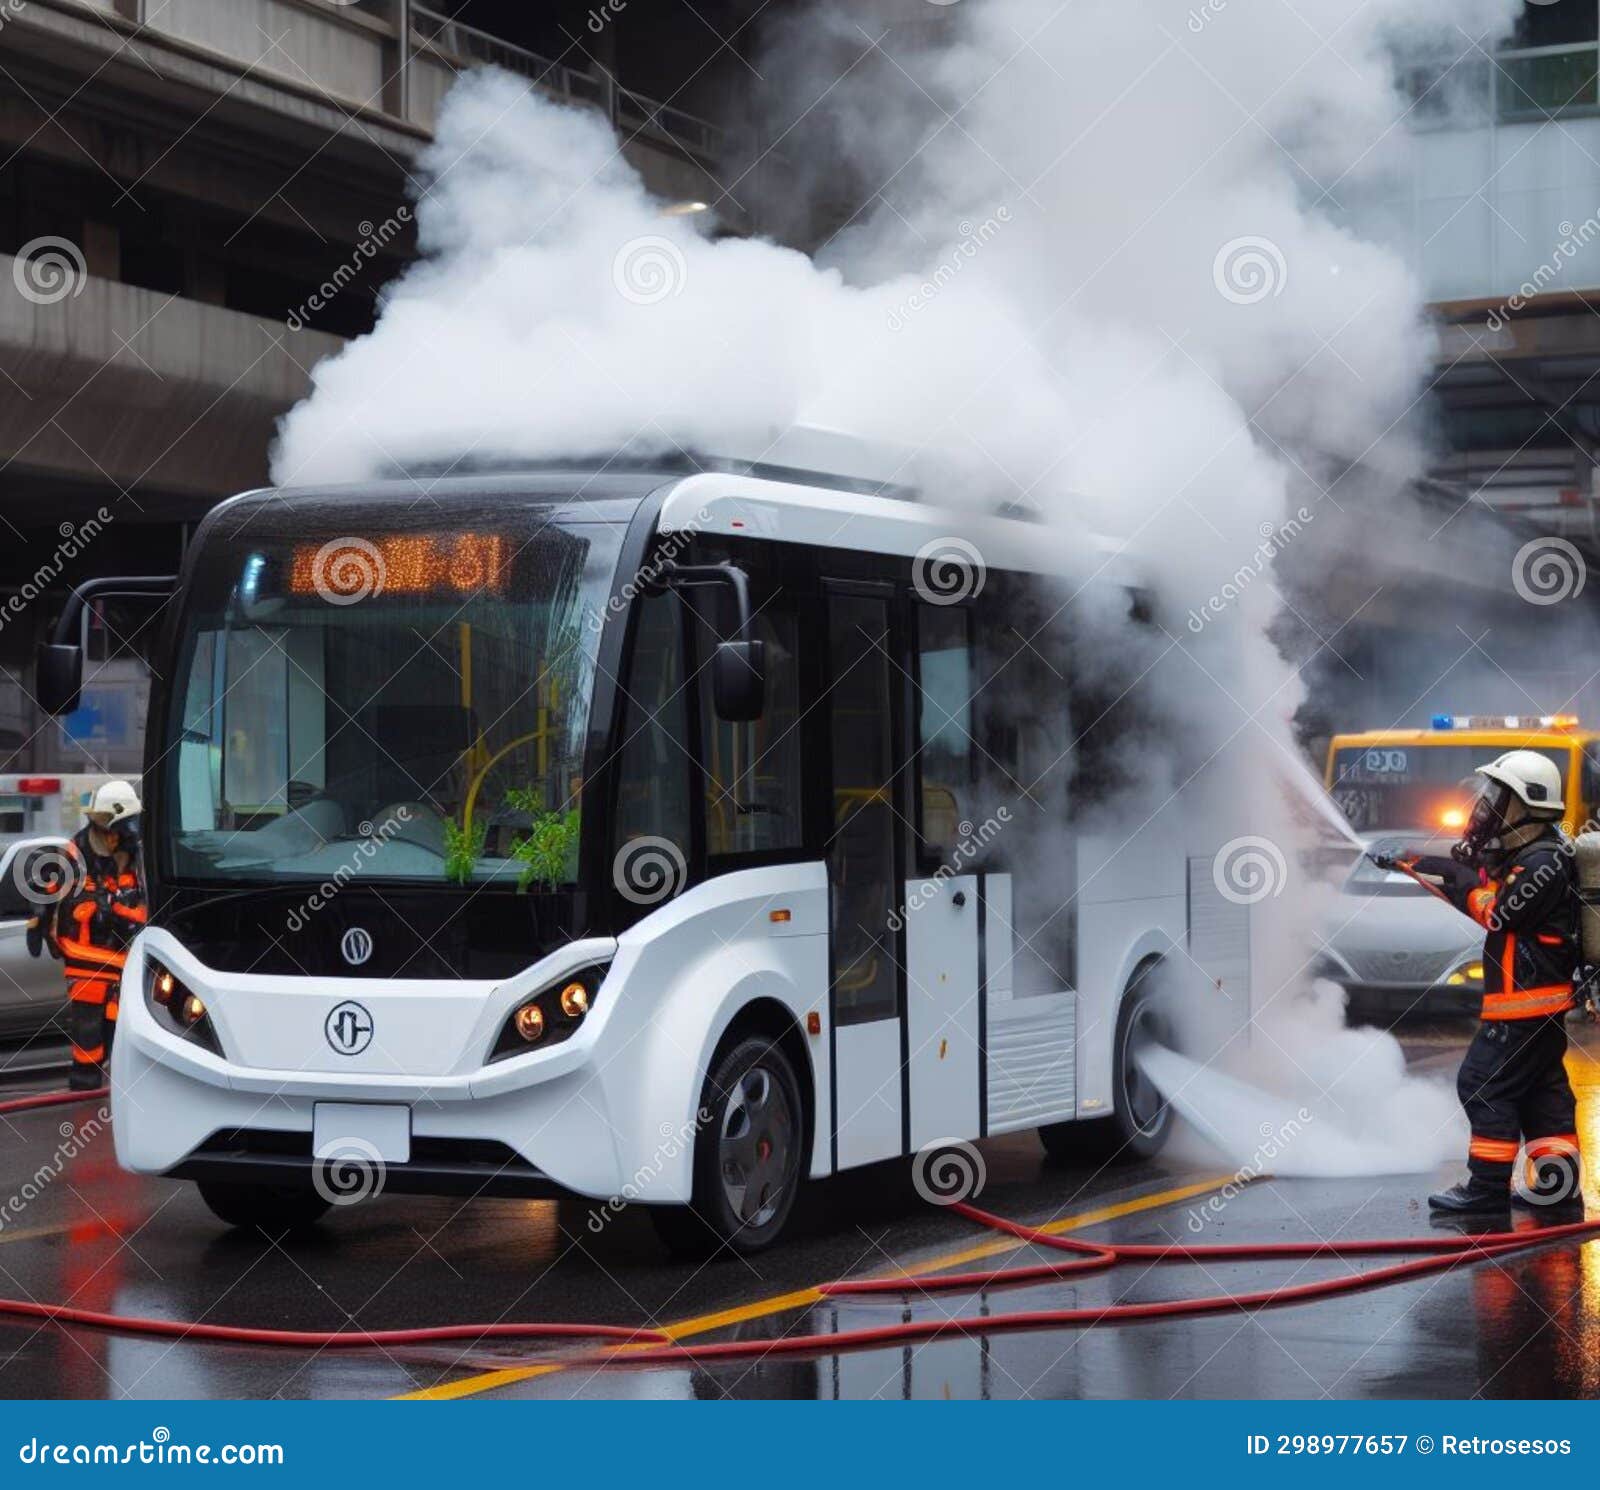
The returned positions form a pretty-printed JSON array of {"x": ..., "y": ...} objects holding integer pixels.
[{"x": 1398, "y": 949}]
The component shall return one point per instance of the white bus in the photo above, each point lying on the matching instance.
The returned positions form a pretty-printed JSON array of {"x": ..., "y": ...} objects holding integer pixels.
[{"x": 669, "y": 838}]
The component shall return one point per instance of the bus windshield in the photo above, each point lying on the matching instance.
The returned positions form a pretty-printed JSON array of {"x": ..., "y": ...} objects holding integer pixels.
[
  {"x": 386, "y": 704},
  {"x": 1416, "y": 786}
]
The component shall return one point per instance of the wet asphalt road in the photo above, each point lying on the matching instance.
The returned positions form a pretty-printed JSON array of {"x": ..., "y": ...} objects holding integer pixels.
[{"x": 1524, "y": 1327}]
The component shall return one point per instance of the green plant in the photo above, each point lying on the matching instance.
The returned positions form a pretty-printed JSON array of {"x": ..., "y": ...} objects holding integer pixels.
[
  {"x": 549, "y": 845},
  {"x": 463, "y": 847}
]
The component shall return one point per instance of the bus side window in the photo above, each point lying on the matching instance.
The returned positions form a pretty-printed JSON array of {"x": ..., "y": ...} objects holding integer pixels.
[
  {"x": 653, "y": 759},
  {"x": 1025, "y": 720},
  {"x": 945, "y": 764},
  {"x": 752, "y": 771}
]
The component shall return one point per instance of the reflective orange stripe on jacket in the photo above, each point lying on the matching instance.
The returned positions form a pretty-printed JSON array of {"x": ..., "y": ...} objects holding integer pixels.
[{"x": 1528, "y": 1003}]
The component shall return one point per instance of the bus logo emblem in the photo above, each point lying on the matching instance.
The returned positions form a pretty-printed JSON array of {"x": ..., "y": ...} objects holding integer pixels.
[
  {"x": 356, "y": 945},
  {"x": 349, "y": 1028}
]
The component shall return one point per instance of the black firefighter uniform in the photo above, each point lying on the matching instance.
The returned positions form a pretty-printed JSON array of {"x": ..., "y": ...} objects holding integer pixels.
[{"x": 1513, "y": 1080}]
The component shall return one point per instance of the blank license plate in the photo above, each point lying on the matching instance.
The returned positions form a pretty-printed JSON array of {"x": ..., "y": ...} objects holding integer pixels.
[{"x": 362, "y": 1129}]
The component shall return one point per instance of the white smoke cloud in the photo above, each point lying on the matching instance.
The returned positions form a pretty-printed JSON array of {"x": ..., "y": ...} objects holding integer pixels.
[{"x": 1107, "y": 271}]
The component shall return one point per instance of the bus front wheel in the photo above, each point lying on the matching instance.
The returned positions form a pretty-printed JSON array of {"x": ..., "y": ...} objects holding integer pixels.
[
  {"x": 748, "y": 1162},
  {"x": 1141, "y": 1117},
  {"x": 270, "y": 1208}
]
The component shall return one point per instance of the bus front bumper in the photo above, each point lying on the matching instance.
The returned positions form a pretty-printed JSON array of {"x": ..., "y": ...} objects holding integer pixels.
[{"x": 535, "y": 1125}]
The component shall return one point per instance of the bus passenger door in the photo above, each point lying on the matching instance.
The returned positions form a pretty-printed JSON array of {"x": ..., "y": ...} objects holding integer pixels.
[
  {"x": 945, "y": 903},
  {"x": 864, "y": 881}
]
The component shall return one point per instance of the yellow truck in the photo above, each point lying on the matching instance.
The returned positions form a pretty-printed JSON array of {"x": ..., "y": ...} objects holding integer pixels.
[{"x": 1396, "y": 949}]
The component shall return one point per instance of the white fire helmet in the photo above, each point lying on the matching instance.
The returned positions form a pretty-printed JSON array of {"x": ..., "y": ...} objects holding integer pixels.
[
  {"x": 1536, "y": 780},
  {"x": 112, "y": 803}
]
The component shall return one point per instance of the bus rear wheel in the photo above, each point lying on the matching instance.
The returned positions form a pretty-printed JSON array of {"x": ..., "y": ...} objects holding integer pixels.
[
  {"x": 747, "y": 1156},
  {"x": 1141, "y": 1118},
  {"x": 271, "y": 1208}
]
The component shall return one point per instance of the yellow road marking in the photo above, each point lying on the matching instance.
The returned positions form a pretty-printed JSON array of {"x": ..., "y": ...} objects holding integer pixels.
[{"x": 488, "y": 1381}]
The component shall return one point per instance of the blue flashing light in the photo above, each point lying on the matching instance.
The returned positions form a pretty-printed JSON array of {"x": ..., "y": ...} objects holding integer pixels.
[{"x": 1443, "y": 721}]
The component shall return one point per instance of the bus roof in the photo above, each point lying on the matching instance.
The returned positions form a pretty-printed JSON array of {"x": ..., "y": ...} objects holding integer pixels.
[
  {"x": 815, "y": 509},
  {"x": 828, "y": 517}
]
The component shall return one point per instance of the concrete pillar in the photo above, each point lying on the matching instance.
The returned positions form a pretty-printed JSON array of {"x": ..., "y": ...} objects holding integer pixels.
[{"x": 397, "y": 62}]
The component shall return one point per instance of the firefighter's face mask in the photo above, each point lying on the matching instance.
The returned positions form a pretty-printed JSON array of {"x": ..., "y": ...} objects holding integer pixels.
[{"x": 1487, "y": 821}]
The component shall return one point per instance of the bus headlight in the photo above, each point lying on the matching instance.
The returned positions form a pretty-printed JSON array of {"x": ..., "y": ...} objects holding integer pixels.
[
  {"x": 176, "y": 1009},
  {"x": 1466, "y": 975},
  {"x": 550, "y": 1016}
]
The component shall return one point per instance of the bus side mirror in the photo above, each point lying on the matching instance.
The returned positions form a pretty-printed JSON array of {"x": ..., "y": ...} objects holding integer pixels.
[
  {"x": 59, "y": 677},
  {"x": 739, "y": 681}
]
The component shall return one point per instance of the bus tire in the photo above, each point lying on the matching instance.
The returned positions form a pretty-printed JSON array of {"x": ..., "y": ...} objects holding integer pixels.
[
  {"x": 270, "y": 1208},
  {"x": 1141, "y": 1118},
  {"x": 748, "y": 1156}
]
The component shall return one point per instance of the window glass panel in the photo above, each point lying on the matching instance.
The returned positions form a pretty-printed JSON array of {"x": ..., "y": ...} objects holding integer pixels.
[
  {"x": 861, "y": 858},
  {"x": 432, "y": 727},
  {"x": 653, "y": 764},
  {"x": 1545, "y": 25},
  {"x": 944, "y": 728},
  {"x": 753, "y": 770},
  {"x": 1036, "y": 726}
]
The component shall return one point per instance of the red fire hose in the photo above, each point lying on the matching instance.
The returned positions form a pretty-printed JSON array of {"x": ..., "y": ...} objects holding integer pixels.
[{"x": 650, "y": 1347}]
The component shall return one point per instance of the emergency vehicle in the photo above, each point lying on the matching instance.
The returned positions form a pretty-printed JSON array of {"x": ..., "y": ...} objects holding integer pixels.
[{"x": 1395, "y": 948}]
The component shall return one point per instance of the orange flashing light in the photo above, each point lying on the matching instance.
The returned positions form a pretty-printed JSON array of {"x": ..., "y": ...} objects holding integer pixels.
[{"x": 778, "y": 917}]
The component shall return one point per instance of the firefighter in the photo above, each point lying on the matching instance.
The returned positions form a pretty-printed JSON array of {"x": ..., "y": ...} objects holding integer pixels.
[
  {"x": 94, "y": 921},
  {"x": 1513, "y": 873}
]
